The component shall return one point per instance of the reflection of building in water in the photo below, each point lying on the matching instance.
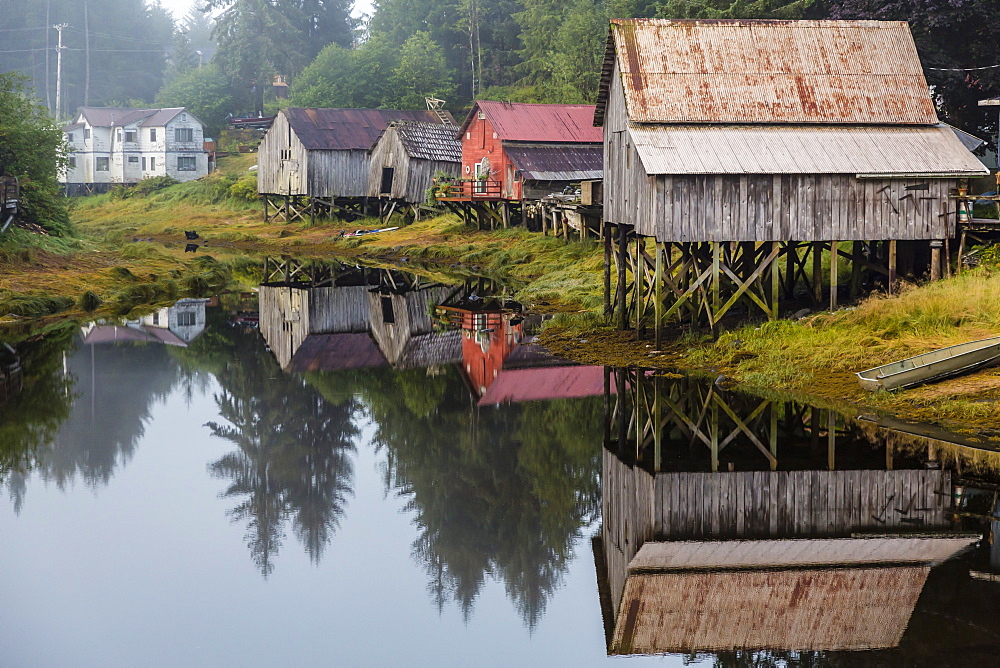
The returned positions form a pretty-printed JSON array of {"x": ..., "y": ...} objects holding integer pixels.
[
  {"x": 401, "y": 323},
  {"x": 732, "y": 522},
  {"x": 11, "y": 375},
  {"x": 175, "y": 325},
  {"x": 316, "y": 317},
  {"x": 185, "y": 319},
  {"x": 501, "y": 363}
]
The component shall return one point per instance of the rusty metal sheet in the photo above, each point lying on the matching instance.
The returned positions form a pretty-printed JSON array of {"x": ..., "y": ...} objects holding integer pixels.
[
  {"x": 559, "y": 162},
  {"x": 516, "y": 121},
  {"x": 803, "y": 149},
  {"x": 347, "y": 129},
  {"x": 743, "y": 71}
]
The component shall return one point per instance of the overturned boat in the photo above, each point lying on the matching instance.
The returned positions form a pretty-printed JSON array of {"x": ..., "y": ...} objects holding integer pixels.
[{"x": 932, "y": 366}]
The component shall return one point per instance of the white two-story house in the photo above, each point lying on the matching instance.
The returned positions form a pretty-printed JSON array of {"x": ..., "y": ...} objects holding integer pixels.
[{"x": 110, "y": 145}]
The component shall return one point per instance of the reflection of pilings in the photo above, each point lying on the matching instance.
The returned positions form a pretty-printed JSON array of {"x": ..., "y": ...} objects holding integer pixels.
[{"x": 681, "y": 423}]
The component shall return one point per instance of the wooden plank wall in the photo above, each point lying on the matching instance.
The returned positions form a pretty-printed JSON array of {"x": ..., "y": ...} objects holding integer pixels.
[
  {"x": 277, "y": 175},
  {"x": 338, "y": 310},
  {"x": 284, "y": 324},
  {"x": 627, "y": 515},
  {"x": 777, "y": 504},
  {"x": 413, "y": 176},
  {"x": 800, "y": 207}
]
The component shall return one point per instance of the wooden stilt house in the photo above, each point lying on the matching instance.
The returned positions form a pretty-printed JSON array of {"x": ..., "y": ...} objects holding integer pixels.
[
  {"x": 406, "y": 158},
  {"x": 515, "y": 153},
  {"x": 316, "y": 161},
  {"x": 401, "y": 324},
  {"x": 741, "y": 148}
]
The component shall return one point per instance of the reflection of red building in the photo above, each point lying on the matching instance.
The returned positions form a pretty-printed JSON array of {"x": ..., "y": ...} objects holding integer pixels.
[
  {"x": 487, "y": 339},
  {"x": 502, "y": 365}
]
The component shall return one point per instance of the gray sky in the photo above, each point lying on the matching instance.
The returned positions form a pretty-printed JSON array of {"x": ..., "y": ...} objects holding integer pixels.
[{"x": 180, "y": 8}]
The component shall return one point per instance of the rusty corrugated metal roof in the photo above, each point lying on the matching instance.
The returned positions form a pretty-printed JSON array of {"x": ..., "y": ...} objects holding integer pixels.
[
  {"x": 802, "y": 149},
  {"x": 517, "y": 121},
  {"x": 557, "y": 162},
  {"x": 347, "y": 129},
  {"x": 744, "y": 71}
]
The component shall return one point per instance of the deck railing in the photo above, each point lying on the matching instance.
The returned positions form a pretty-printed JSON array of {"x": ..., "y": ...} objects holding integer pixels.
[{"x": 466, "y": 189}]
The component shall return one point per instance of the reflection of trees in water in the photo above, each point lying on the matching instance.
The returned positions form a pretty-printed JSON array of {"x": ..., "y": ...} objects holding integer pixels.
[
  {"x": 30, "y": 419},
  {"x": 495, "y": 491},
  {"x": 293, "y": 457},
  {"x": 87, "y": 424}
]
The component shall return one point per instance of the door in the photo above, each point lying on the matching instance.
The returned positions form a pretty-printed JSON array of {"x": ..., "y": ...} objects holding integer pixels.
[
  {"x": 386, "y": 187},
  {"x": 482, "y": 174}
]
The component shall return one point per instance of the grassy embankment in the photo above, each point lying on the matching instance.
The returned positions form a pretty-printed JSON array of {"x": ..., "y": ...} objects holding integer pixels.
[{"x": 816, "y": 356}]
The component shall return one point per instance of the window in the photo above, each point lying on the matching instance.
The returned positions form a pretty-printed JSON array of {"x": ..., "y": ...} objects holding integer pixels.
[
  {"x": 183, "y": 134},
  {"x": 152, "y": 134},
  {"x": 185, "y": 319},
  {"x": 143, "y": 164},
  {"x": 72, "y": 163},
  {"x": 118, "y": 134},
  {"x": 101, "y": 164},
  {"x": 388, "y": 314},
  {"x": 133, "y": 158},
  {"x": 130, "y": 135},
  {"x": 186, "y": 163},
  {"x": 152, "y": 164},
  {"x": 387, "y": 174},
  {"x": 86, "y": 133},
  {"x": 70, "y": 137}
]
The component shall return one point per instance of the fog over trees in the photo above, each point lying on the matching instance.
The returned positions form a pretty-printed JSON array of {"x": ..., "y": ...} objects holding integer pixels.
[{"x": 222, "y": 57}]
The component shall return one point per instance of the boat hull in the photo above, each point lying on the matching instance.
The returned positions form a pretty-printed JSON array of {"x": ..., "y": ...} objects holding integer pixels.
[{"x": 932, "y": 366}]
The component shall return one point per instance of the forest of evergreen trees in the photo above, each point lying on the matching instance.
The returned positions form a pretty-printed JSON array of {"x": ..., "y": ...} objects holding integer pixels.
[{"x": 222, "y": 60}]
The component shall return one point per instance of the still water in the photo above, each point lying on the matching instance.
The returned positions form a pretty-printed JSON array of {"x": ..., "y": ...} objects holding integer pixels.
[{"x": 362, "y": 467}]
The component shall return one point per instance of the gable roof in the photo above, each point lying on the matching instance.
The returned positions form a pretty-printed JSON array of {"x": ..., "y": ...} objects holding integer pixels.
[
  {"x": 517, "y": 121},
  {"x": 347, "y": 129},
  {"x": 753, "y": 71},
  {"x": 428, "y": 141},
  {"x": 106, "y": 117}
]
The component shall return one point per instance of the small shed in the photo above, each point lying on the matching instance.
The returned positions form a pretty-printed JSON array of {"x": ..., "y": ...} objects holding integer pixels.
[
  {"x": 323, "y": 154},
  {"x": 408, "y": 155},
  {"x": 515, "y": 151},
  {"x": 401, "y": 325}
]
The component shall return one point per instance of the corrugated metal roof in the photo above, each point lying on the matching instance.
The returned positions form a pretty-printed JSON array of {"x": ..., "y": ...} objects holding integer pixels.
[
  {"x": 557, "y": 162},
  {"x": 517, "y": 121},
  {"x": 796, "y": 552},
  {"x": 347, "y": 129},
  {"x": 787, "y": 149},
  {"x": 832, "y": 609},
  {"x": 430, "y": 141},
  {"x": 743, "y": 71}
]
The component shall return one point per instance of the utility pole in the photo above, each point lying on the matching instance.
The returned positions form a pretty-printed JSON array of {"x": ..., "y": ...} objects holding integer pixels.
[{"x": 59, "y": 49}]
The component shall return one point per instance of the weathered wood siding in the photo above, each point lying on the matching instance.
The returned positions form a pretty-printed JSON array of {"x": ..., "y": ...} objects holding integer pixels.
[
  {"x": 338, "y": 173},
  {"x": 801, "y": 207},
  {"x": 779, "y": 207},
  {"x": 412, "y": 177},
  {"x": 798, "y": 503},
  {"x": 282, "y": 163},
  {"x": 627, "y": 517}
]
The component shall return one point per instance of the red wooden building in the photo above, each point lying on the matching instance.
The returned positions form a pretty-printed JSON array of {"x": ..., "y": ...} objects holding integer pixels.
[{"x": 516, "y": 151}]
